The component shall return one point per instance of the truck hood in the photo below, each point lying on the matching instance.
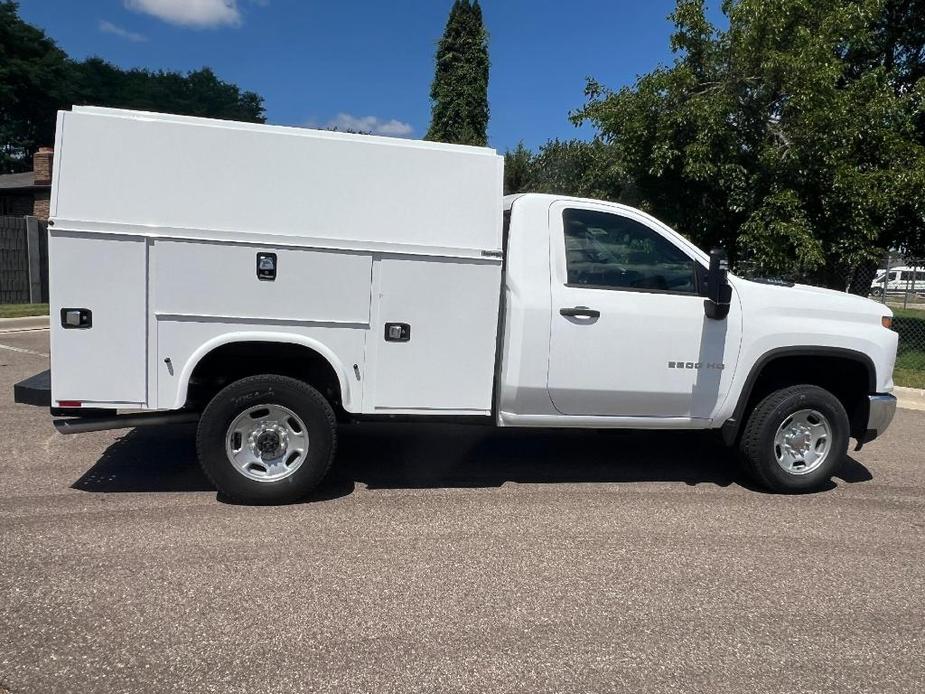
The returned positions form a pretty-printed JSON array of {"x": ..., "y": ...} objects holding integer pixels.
[{"x": 804, "y": 298}]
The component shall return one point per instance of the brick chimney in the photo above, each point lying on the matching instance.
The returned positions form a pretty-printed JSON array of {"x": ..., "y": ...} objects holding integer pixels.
[{"x": 42, "y": 161}]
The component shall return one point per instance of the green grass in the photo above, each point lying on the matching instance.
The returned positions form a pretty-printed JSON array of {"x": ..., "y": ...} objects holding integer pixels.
[
  {"x": 910, "y": 362},
  {"x": 914, "y": 313},
  {"x": 910, "y": 369},
  {"x": 20, "y": 310},
  {"x": 909, "y": 378}
]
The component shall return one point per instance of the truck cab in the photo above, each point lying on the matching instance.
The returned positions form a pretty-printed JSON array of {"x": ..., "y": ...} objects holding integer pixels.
[{"x": 618, "y": 298}]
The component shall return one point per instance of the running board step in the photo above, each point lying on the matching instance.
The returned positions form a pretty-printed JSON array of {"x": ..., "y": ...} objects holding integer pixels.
[{"x": 82, "y": 425}]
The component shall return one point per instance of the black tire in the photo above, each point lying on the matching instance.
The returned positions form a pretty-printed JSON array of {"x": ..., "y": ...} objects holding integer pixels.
[
  {"x": 757, "y": 445},
  {"x": 876, "y": 292},
  {"x": 299, "y": 397}
]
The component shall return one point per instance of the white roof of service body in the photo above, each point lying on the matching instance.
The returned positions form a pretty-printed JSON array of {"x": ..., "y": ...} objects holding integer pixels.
[{"x": 155, "y": 174}]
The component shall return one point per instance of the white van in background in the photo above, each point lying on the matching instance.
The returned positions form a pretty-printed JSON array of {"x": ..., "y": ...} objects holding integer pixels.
[{"x": 898, "y": 280}]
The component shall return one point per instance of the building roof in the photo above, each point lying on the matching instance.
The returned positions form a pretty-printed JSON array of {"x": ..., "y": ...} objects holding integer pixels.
[{"x": 19, "y": 181}]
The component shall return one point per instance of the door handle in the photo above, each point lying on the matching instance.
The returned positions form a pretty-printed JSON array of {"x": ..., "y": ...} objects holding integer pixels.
[{"x": 580, "y": 312}]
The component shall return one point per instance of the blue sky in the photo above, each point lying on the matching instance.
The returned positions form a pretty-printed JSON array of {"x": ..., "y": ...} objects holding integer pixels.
[{"x": 369, "y": 64}]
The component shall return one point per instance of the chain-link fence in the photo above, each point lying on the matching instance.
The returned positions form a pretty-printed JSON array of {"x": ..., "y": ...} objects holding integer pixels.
[{"x": 900, "y": 284}]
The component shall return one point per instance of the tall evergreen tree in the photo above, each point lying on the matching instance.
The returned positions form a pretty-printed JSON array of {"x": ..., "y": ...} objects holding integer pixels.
[{"x": 459, "y": 93}]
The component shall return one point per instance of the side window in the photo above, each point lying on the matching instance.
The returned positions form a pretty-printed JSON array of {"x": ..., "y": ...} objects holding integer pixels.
[{"x": 615, "y": 252}]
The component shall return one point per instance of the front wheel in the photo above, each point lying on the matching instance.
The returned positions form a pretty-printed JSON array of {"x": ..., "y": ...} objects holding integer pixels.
[
  {"x": 267, "y": 439},
  {"x": 795, "y": 439}
]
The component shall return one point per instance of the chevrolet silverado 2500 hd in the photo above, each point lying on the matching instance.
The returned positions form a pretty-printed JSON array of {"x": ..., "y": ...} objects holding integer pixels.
[{"x": 267, "y": 282}]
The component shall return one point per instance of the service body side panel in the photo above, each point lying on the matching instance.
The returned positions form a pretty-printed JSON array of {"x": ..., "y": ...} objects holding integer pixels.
[
  {"x": 165, "y": 216},
  {"x": 105, "y": 364},
  {"x": 447, "y": 364},
  {"x": 209, "y": 293},
  {"x": 220, "y": 279}
]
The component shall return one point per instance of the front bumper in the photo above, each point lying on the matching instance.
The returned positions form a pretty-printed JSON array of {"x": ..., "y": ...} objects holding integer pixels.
[{"x": 880, "y": 413}]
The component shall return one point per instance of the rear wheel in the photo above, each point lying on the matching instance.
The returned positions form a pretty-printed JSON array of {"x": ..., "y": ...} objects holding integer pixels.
[
  {"x": 267, "y": 439},
  {"x": 795, "y": 439}
]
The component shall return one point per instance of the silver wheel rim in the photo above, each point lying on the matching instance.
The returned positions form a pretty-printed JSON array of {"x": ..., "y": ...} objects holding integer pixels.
[
  {"x": 267, "y": 443},
  {"x": 802, "y": 442}
]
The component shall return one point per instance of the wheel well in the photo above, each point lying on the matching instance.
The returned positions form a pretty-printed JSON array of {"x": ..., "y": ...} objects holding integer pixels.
[
  {"x": 847, "y": 378},
  {"x": 236, "y": 360}
]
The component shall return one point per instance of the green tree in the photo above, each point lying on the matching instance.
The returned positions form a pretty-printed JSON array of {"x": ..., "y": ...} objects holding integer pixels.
[
  {"x": 459, "y": 92},
  {"x": 198, "y": 93},
  {"x": 37, "y": 79},
  {"x": 793, "y": 137},
  {"x": 567, "y": 167},
  {"x": 518, "y": 164},
  {"x": 578, "y": 168}
]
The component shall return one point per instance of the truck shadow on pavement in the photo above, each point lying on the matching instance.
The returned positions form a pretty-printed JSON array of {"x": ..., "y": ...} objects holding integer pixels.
[{"x": 416, "y": 456}]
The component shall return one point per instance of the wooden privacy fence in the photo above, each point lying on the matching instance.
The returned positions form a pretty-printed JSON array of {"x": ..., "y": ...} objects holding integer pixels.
[{"x": 23, "y": 260}]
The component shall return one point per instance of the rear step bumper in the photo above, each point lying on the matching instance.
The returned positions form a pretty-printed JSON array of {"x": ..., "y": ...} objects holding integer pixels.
[{"x": 35, "y": 390}]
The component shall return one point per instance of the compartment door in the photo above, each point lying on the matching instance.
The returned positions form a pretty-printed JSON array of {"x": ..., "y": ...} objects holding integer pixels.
[
  {"x": 445, "y": 362},
  {"x": 107, "y": 276}
]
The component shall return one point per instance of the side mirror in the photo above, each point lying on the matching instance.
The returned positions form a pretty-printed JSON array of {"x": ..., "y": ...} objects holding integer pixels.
[{"x": 719, "y": 293}]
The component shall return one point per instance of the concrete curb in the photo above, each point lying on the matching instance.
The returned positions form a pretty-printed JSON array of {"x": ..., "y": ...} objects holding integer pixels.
[
  {"x": 910, "y": 398},
  {"x": 13, "y": 325}
]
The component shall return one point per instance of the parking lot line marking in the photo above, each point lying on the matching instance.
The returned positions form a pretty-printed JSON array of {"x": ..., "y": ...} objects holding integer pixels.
[
  {"x": 13, "y": 331},
  {"x": 23, "y": 351}
]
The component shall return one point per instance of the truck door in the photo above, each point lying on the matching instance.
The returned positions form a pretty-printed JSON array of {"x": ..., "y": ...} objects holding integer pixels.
[{"x": 629, "y": 336}]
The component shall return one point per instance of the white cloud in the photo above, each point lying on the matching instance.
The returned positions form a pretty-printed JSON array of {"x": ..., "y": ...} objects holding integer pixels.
[
  {"x": 110, "y": 28},
  {"x": 367, "y": 124},
  {"x": 192, "y": 13}
]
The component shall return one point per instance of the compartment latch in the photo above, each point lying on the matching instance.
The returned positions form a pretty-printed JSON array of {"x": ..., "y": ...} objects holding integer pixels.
[
  {"x": 76, "y": 318},
  {"x": 397, "y": 332}
]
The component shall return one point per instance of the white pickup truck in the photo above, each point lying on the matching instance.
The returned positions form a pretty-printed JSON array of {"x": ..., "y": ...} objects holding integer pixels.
[{"x": 269, "y": 282}]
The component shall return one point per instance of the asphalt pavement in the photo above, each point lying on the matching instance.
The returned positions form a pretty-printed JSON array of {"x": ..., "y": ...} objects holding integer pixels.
[{"x": 453, "y": 559}]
